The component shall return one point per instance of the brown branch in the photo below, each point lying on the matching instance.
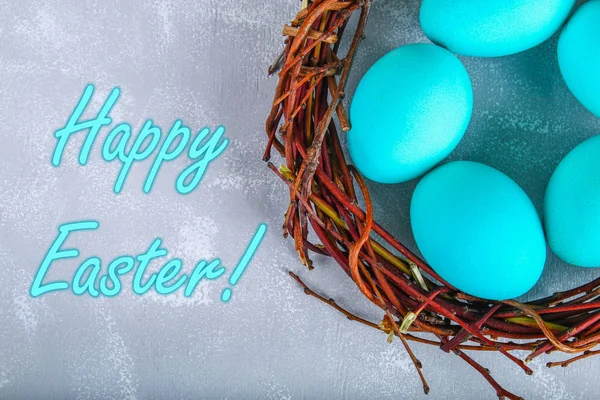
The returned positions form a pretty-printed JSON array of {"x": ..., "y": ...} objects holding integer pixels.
[{"x": 566, "y": 363}]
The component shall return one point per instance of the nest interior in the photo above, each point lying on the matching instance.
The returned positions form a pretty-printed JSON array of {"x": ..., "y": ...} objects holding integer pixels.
[{"x": 330, "y": 201}]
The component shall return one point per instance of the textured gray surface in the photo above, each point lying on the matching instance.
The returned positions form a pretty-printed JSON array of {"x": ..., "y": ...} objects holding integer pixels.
[{"x": 205, "y": 61}]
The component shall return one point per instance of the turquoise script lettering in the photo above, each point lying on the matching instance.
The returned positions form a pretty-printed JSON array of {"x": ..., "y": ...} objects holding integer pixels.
[
  {"x": 89, "y": 278},
  {"x": 120, "y": 144}
]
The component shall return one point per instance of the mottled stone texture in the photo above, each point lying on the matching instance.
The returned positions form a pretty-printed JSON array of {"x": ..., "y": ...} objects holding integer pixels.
[{"x": 205, "y": 61}]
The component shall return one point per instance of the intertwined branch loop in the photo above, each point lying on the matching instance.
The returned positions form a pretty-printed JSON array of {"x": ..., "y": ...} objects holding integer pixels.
[{"x": 324, "y": 191}]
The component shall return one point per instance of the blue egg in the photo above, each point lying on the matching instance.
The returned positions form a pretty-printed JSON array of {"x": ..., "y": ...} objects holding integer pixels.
[
  {"x": 410, "y": 110},
  {"x": 579, "y": 55},
  {"x": 492, "y": 28},
  {"x": 572, "y": 206},
  {"x": 478, "y": 230}
]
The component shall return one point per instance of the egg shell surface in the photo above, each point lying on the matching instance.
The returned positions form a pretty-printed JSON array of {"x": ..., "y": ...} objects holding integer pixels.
[
  {"x": 572, "y": 206},
  {"x": 478, "y": 230},
  {"x": 409, "y": 111},
  {"x": 492, "y": 28},
  {"x": 579, "y": 55}
]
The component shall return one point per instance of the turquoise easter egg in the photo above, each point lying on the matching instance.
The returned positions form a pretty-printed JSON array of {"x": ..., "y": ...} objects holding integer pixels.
[
  {"x": 579, "y": 55},
  {"x": 572, "y": 206},
  {"x": 478, "y": 230},
  {"x": 492, "y": 28},
  {"x": 409, "y": 111}
]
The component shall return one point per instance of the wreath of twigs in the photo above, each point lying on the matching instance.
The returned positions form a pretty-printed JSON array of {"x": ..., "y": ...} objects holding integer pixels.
[{"x": 323, "y": 198}]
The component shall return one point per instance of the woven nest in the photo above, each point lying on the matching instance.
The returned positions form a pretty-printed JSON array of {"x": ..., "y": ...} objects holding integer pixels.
[{"x": 418, "y": 305}]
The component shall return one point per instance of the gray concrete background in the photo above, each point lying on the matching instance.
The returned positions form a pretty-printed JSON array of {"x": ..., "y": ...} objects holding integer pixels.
[{"x": 204, "y": 61}]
